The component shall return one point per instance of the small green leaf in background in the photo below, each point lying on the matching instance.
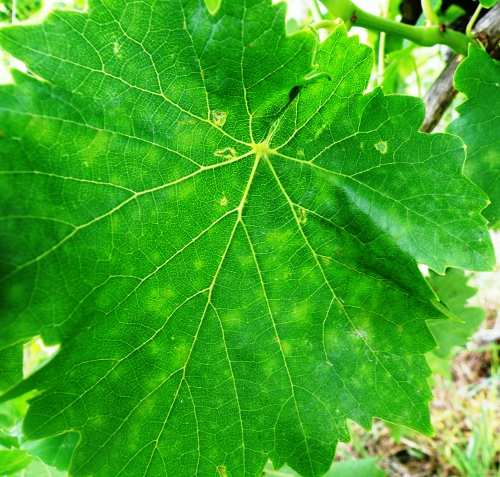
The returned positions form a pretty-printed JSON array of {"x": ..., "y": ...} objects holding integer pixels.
[
  {"x": 454, "y": 292},
  {"x": 13, "y": 460},
  {"x": 213, "y": 6},
  {"x": 478, "y": 77},
  {"x": 38, "y": 468},
  {"x": 55, "y": 451},
  {"x": 24, "y": 9},
  {"x": 488, "y": 3},
  {"x": 356, "y": 468},
  {"x": 350, "y": 468}
]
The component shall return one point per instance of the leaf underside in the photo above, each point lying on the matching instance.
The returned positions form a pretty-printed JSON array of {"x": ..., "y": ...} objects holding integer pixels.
[{"x": 225, "y": 251}]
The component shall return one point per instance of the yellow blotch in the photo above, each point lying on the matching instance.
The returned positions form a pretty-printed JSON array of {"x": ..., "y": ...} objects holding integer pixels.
[
  {"x": 116, "y": 49},
  {"x": 219, "y": 118},
  {"x": 226, "y": 153},
  {"x": 179, "y": 355},
  {"x": 232, "y": 318},
  {"x": 169, "y": 293},
  {"x": 286, "y": 347},
  {"x": 326, "y": 260},
  {"x": 381, "y": 147},
  {"x": 285, "y": 273},
  {"x": 278, "y": 237},
  {"x": 222, "y": 471},
  {"x": 302, "y": 216},
  {"x": 245, "y": 261},
  {"x": 185, "y": 190},
  {"x": 198, "y": 264},
  {"x": 223, "y": 201},
  {"x": 301, "y": 311}
]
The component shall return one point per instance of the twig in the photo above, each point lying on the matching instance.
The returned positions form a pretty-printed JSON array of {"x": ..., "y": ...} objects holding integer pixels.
[
  {"x": 425, "y": 36},
  {"x": 442, "y": 92},
  {"x": 472, "y": 21}
]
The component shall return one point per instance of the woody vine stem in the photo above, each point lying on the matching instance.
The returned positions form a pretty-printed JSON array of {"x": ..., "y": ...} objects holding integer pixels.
[{"x": 430, "y": 35}]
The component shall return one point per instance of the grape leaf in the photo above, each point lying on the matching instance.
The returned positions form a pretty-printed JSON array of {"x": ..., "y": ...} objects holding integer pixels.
[
  {"x": 488, "y": 3},
  {"x": 479, "y": 124},
  {"x": 453, "y": 290},
  {"x": 13, "y": 460},
  {"x": 12, "y": 370},
  {"x": 18, "y": 9},
  {"x": 221, "y": 231},
  {"x": 38, "y": 468}
]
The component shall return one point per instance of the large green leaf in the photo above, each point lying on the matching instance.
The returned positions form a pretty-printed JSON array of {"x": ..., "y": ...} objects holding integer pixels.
[
  {"x": 479, "y": 124},
  {"x": 223, "y": 243}
]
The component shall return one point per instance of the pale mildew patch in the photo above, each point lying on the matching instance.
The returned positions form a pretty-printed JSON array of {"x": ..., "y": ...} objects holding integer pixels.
[
  {"x": 199, "y": 264},
  {"x": 302, "y": 216},
  {"x": 117, "y": 49},
  {"x": 381, "y": 147},
  {"x": 219, "y": 118},
  {"x": 223, "y": 201},
  {"x": 226, "y": 153}
]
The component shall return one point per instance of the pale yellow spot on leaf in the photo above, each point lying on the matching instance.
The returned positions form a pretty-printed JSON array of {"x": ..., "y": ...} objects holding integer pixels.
[
  {"x": 381, "y": 147},
  {"x": 219, "y": 118}
]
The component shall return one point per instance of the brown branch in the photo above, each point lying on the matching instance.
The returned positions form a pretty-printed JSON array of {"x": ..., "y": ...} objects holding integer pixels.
[{"x": 442, "y": 92}]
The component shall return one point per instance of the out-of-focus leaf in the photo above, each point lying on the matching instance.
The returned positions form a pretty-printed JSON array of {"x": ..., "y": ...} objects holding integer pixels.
[
  {"x": 38, "y": 468},
  {"x": 454, "y": 292},
  {"x": 488, "y": 3},
  {"x": 351, "y": 468},
  {"x": 399, "y": 65},
  {"x": 13, "y": 460},
  {"x": 55, "y": 451},
  {"x": 356, "y": 468},
  {"x": 20, "y": 10}
]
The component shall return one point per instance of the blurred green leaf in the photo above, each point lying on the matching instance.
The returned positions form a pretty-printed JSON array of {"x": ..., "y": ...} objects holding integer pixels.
[
  {"x": 399, "y": 65},
  {"x": 488, "y": 3},
  {"x": 453, "y": 290},
  {"x": 13, "y": 460},
  {"x": 359, "y": 468},
  {"x": 55, "y": 451},
  {"x": 38, "y": 468},
  {"x": 452, "y": 13},
  {"x": 351, "y": 468},
  {"x": 20, "y": 10}
]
